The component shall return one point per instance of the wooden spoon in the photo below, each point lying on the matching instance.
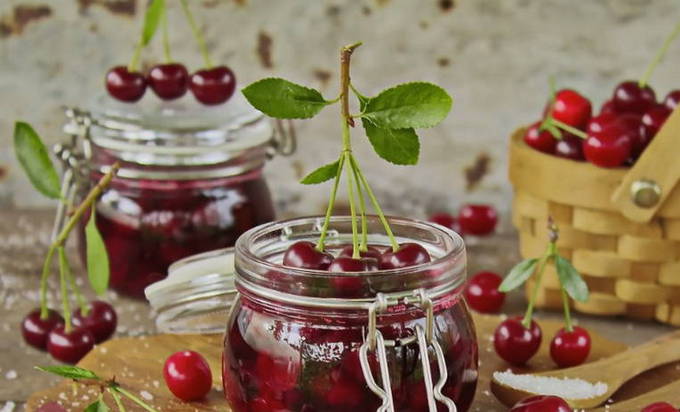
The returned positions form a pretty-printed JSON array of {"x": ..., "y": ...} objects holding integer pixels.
[
  {"x": 613, "y": 371},
  {"x": 637, "y": 403}
]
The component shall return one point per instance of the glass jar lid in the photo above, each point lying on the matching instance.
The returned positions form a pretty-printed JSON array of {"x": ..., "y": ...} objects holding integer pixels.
[{"x": 196, "y": 295}]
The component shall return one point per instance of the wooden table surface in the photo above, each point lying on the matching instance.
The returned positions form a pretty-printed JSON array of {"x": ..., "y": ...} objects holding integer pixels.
[{"x": 24, "y": 240}]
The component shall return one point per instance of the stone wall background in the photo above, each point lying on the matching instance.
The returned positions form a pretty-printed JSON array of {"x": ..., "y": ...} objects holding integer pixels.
[{"x": 494, "y": 56}]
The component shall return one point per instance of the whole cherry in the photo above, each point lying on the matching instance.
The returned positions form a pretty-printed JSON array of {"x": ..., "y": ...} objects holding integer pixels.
[
  {"x": 101, "y": 320},
  {"x": 572, "y": 108},
  {"x": 36, "y": 329},
  {"x": 125, "y": 85},
  {"x": 515, "y": 343},
  {"x": 213, "y": 86},
  {"x": 305, "y": 255},
  {"x": 602, "y": 120},
  {"x": 629, "y": 96},
  {"x": 607, "y": 107},
  {"x": 169, "y": 81},
  {"x": 350, "y": 286},
  {"x": 370, "y": 252},
  {"x": 659, "y": 407},
  {"x": 610, "y": 147},
  {"x": 408, "y": 254},
  {"x": 69, "y": 347},
  {"x": 477, "y": 219},
  {"x": 187, "y": 375},
  {"x": 482, "y": 293},
  {"x": 542, "y": 403},
  {"x": 652, "y": 121},
  {"x": 570, "y": 348},
  {"x": 672, "y": 99},
  {"x": 541, "y": 140},
  {"x": 570, "y": 147},
  {"x": 445, "y": 219}
]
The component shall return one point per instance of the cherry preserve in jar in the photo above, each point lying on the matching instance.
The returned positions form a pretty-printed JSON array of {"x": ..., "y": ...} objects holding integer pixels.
[
  {"x": 293, "y": 343},
  {"x": 190, "y": 179}
]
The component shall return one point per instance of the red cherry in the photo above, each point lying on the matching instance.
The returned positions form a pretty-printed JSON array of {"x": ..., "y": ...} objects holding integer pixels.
[
  {"x": 602, "y": 120},
  {"x": 570, "y": 348},
  {"x": 213, "y": 86},
  {"x": 345, "y": 393},
  {"x": 610, "y": 147},
  {"x": 672, "y": 99},
  {"x": 278, "y": 375},
  {"x": 370, "y": 252},
  {"x": 101, "y": 320},
  {"x": 652, "y": 121},
  {"x": 350, "y": 286},
  {"x": 69, "y": 347},
  {"x": 515, "y": 343},
  {"x": 659, "y": 407},
  {"x": 570, "y": 147},
  {"x": 169, "y": 81},
  {"x": 482, "y": 294},
  {"x": 305, "y": 255},
  {"x": 35, "y": 329},
  {"x": 607, "y": 107},
  {"x": 408, "y": 254},
  {"x": 630, "y": 97},
  {"x": 125, "y": 85},
  {"x": 477, "y": 219},
  {"x": 543, "y": 141},
  {"x": 187, "y": 375},
  {"x": 262, "y": 404},
  {"x": 445, "y": 219},
  {"x": 542, "y": 403},
  {"x": 571, "y": 108}
]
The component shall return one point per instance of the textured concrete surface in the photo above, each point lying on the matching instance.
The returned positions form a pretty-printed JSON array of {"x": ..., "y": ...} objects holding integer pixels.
[{"x": 493, "y": 56}]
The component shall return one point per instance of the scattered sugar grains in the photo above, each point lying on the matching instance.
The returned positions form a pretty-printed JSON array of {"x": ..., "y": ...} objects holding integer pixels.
[
  {"x": 11, "y": 375},
  {"x": 566, "y": 388},
  {"x": 146, "y": 395},
  {"x": 8, "y": 407}
]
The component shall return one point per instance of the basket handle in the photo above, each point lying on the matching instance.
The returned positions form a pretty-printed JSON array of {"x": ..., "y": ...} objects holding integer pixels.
[{"x": 653, "y": 176}]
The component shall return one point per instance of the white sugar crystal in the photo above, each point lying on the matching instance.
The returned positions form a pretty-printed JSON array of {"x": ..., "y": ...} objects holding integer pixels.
[
  {"x": 9, "y": 407},
  {"x": 11, "y": 374},
  {"x": 566, "y": 388},
  {"x": 146, "y": 395}
]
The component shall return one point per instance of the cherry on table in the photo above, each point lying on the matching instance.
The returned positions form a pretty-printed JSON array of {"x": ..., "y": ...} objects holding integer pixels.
[
  {"x": 630, "y": 97},
  {"x": 672, "y": 99},
  {"x": 370, "y": 252},
  {"x": 570, "y": 147},
  {"x": 482, "y": 293},
  {"x": 69, "y": 347},
  {"x": 541, "y": 140},
  {"x": 570, "y": 348},
  {"x": 101, "y": 320},
  {"x": 652, "y": 121},
  {"x": 305, "y": 255},
  {"x": 125, "y": 85},
  {"x": 610, "y": 147},
  {"x": 169, "y": 81},
  {"x": 408, "y": 254},
  {"x": 477, "y": 219},
  {"x": 36, "y": 330},
  {"x": 187, "y": 375},
  {"x": 542, "y": 403},
  {"x": 213, "y": 86},
  {"x": 514, "y": 343},
  {"x": 572, "y": 108},
  {"x": 659, "y": 407},
  {"x": 445, "y": 219}
]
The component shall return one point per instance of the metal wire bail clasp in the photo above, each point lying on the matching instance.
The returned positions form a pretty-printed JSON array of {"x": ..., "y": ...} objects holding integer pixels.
[{"x": 423, "y": 338}]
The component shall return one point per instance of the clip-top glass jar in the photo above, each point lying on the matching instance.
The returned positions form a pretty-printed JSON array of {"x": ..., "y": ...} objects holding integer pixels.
[
  {"x": 190, "y": 179},
  {"x": 405, "y": 343}
]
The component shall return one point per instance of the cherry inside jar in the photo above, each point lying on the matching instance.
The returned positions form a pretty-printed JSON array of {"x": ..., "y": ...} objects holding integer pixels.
[{"x": 294, "y": 344}]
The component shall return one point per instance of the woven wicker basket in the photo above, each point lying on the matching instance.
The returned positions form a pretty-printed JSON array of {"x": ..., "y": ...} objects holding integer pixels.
[{"x": 619, "y": 227}]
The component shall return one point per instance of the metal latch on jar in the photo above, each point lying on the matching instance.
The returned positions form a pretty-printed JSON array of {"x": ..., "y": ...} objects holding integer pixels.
[{"x": 424, "y": 338}]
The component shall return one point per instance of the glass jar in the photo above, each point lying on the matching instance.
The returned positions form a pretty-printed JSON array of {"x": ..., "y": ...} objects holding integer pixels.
[
  {"x": 190, "y": 180},
  {"x": 292, "y": 344}
]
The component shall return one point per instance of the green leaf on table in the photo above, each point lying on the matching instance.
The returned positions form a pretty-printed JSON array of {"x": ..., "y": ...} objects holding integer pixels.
[
  {"x": 282, "y": 99},
  {"x": 518, "y": 275},
  {"x": 398, "y": 146},
  {"x": 409, "y": 105},
  {"x": 571, "y": 280},
  {"x": 97, "y": 406},
  {"x": 152, "y": 19},
  {"x": 35, "y": 160},
  {"x": 68, "y": 372},
  {"x": 322, "y": 174},
  {"x": 97, "y": 258}
]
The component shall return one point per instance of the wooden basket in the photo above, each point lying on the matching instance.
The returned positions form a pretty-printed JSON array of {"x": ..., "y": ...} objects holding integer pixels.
[{"x": 619, "y": 227}]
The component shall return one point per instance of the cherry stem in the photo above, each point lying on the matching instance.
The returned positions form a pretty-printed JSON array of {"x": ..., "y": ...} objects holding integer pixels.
[
  {"x": 331, "y": 202},
  {"x": 539, "y": 277},
  {"x": 659, "y": 56},
  {"x": 133, "y": 398},
  {"x": 166, "y": 37},
  {"x": 198, "y": 35},
  {"x": 116, "y": 398},
  {"x": 567, "y": 128},
  {"x": 63, "y": 268},
  {"x": 363, "y": 245},
  {"x": 134, "y": 62},
  {"x": 44, "y": 314},
  {"x": 352, "y": 208},
  {"x": 567, "y": 314},
  {"x": 84, "y": 307}
]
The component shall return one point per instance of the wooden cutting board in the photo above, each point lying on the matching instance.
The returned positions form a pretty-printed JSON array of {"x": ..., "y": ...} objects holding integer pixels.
[{"x": 137, "y": 364}]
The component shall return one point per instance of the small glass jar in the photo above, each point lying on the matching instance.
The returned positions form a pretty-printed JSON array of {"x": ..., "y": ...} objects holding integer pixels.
[
  {"x": 293, "y": 344},
  {"x": 190, "y": 180}
]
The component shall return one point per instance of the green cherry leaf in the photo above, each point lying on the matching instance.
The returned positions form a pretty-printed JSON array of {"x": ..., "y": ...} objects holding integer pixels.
[
  {"x": 410, "y": 105},
  {"x": 97, "y": 258},
  {"x": 398, "y": 146},
  {"x": 35, "y": 160},
  {"x": 282, "y": 99},
  {"x": 97, "y": 406},
  {"x": 518, "y": 275},
  {"x": 152, "y": 19},
  {"x": 571, "y": 280},
  {"x": 322, "y": 174},
  {"x": 69, "y": 372}
]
